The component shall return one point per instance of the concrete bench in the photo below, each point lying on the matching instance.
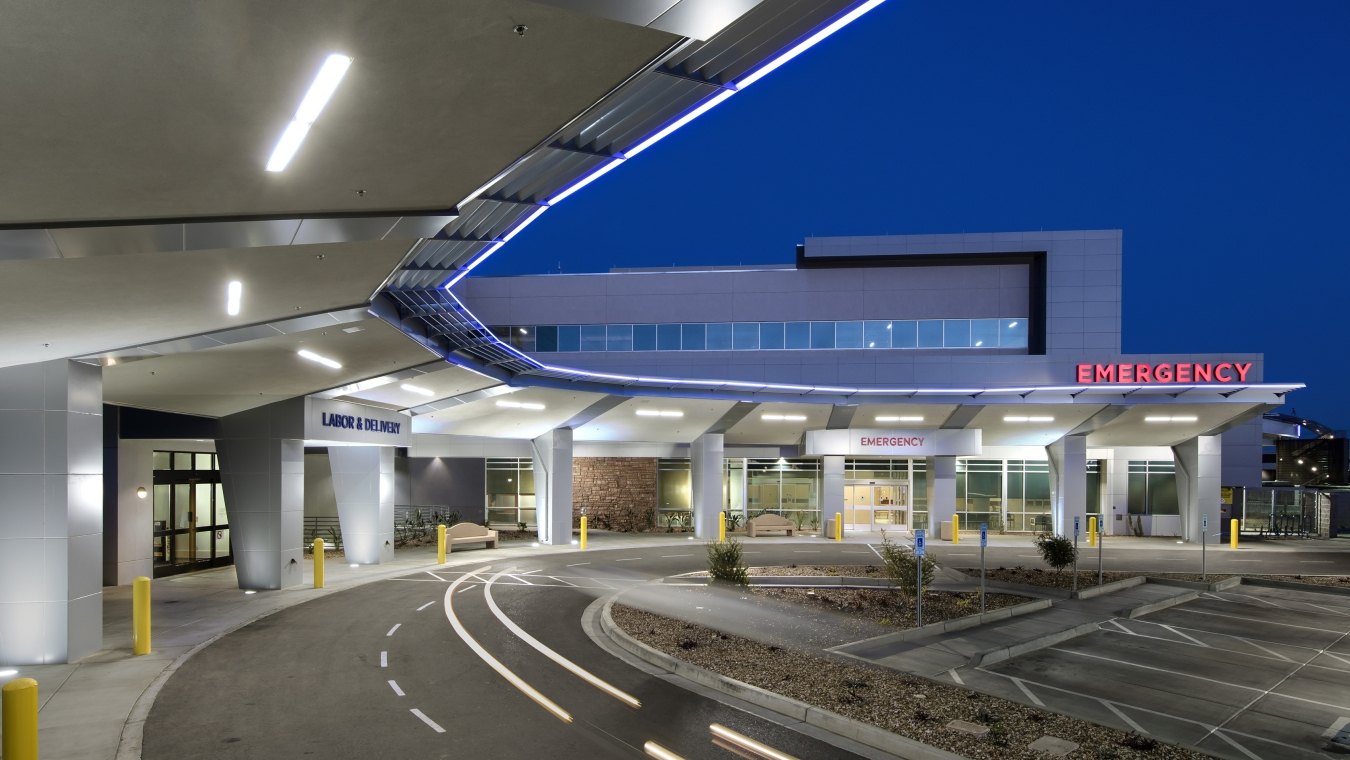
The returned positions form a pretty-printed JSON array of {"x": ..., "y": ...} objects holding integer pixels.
[
  {"x": 469, "y": 533},
  {"x": 769, "y": 524}
]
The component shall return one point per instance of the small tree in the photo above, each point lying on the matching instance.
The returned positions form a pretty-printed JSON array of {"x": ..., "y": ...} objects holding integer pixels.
[
  {"x": 902, "y": 567},
  {"x": 1057, "y": 551},
  {"x": 726, "y": 562}
]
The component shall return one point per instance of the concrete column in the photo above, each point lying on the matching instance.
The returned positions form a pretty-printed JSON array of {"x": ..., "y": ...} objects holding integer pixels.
[
  {"x": 553, "y": 486},
  {"x": 705, "y": 476},
  {"x": 363, "y": 484},
  {"x": 51, "y": 512},
  {"x": 264, "y": 483},
  {"x": 941, "y": 492},
  {"x": 135, "y": 516},
  {"x": 1068, "y": 484},
  {"x": 1199, "y": 464},
  {"x": 831, "y": 487}
]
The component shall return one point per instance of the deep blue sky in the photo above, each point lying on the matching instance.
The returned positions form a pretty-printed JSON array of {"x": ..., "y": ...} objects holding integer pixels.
[{"x": 1215, "y": 134}]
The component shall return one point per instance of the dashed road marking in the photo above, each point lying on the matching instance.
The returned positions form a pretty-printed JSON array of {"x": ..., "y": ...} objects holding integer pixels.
[
  {"x": 428, "y": 604},
  {"x": 428, "y": 721},
  {"x": 384, "y": 659},
  {"x": 395, "y": 628},
  {"x": 578, "y": 564},
  {"x": 394, "y": 685},
  {"x": 629, "y": 559},
  {"x": 468, "y": 588},
  {"x": 668, "y": 556}
]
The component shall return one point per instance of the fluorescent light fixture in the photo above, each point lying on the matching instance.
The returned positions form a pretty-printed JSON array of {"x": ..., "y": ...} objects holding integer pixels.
[
  {"x": 898, "y": 418},
  {"x": 1173, "y": 418},
  {"x": 659, "y": 413},
  {"x": 234, "y": 292},
  {"x": 324, "y": 360},
  {"x": 250, "y": 592},
  {"x": 320, "y": 91},
  {"x": 1028, "y": 419},
  {"x": 808, "y": 43},
  {"x": 520, "y": 405},
  {"x": 783, "y": 417},
  {"x": 418, "y": 390}
]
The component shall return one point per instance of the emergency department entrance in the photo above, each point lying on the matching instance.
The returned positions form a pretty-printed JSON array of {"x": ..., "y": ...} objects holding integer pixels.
[{"x": 876, "y": 506}]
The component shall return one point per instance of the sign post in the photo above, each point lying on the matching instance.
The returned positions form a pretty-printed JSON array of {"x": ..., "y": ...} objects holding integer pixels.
[
  {"x": 1075, "y": 552},
  {"x": 984, "y": 541},
  {"x": 1204, "y": 526},
  {"x": 1101, "y": 539},
  {"x": 918, "y": 558}
]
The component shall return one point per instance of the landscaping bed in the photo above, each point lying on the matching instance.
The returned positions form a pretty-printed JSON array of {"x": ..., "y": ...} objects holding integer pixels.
[{"x": 1035, "y": 576}]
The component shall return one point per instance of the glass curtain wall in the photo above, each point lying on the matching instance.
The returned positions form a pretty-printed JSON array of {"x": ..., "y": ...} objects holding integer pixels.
[
  {"x": 787, "y": 487},
  {"x": 191, "y": 529},
  {"x": 1014, "y": 494},
  {"x": 510, "y": 492},
  {"x": 673, "y": 483},
  {"x": 1152, "y": 488}
]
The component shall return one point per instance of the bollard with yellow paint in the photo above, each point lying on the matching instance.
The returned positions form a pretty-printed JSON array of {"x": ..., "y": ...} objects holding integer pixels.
[
  {"x": 1233, "y": 533},
  {"x": 318, "y": 563},
  {"x": 721, "y": 527},
  {"x": 20, "y": 719},
  {"x": 140, "y": 616},
  {"x": 1092, "y": 531},
  {"x": 583, "y": 531},
  {"x": 440, "y": 543},
  {"x": 838, "y": 526},
  {"x": 956, "y": 529}
]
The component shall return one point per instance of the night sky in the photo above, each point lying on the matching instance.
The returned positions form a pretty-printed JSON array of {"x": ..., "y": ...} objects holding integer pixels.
[{"x": 1215, "y": 134}]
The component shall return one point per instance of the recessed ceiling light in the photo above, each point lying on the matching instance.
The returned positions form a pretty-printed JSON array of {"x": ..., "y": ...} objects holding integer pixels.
[
  {"x": 519, "y": 405},
  {"x": 1173, "y": 418},
  {"x": 1028, "y": 419},
  {"x": 325, "y": 83},
  {"x": 660, "y": 413},
  {"x": 898, "y": 418},
  {"x": 1013, "y": 324},
  {"x": 324, "y": 360},
  {"x": 418, "y": 390},
  {"x": 354, "y": 329},
  {"x": 783, "y": 417},
  {"x": 234, "y": 292}
]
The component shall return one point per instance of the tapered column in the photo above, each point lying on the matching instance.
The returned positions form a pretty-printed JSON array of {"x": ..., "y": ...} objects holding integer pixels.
[
  {"x": 553, "y": 486},
  {"x": 831, "y": 487},
  {"x": 705, "y": 483},
  {"x": 941, "y": 492},
  {"x": 264, "y": 484},
  {"x": 1068, "y": 483},
  {"x": 51, "y": 512},
  {"x": 363, "y": 482},
  {"x": 1199, "y": 467}
]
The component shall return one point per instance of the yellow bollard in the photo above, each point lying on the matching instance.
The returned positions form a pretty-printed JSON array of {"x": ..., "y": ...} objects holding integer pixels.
[
  {"x": 440, "y": 542},
  {"x": 1233, "y": 533},
  {"x": 583, "y": 531},
  {"x": 838, "y": 526},
  {"x": 20, "y": 721},
  {"x": 1092, "y": 531},
  {"x": 956, "y": 529},
  {"x": 722, "y": 527},
  {"x": 318, "y": 563},
  {"x": 140, "y": 616}
]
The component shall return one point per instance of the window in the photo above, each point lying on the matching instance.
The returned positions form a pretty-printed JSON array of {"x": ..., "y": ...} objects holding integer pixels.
[
  {"x": 1152, "y": 486},
  {"x": 592, "y": 337},
  {"x": 877, "y": 334},
  {"x": 956, "y": 333},
  {"x": 771, "y": 335},
  {"x": 848, "y": 334},
  {"x": 822, "y": 335},
  {"x": 510, "y": 491},
  {"x": 797, "y": 335},
  {"x": 746, "y": 336},
  {"x": 903, "y": 333},
  {"x": 930, "y": 333},
  {"x": 1013, "y": 333},
  {"x": 619, "y": 338},
  {"x": 719, "y": 336},
  {"x": 693, "y": 337},
  {"x": 644, "y": 337},
  {"x": 546, "y": 338},
  {"x": 667, "y": 337},
  {"x": 983, "y": 333},
  {"x": 569, "y": 338}
]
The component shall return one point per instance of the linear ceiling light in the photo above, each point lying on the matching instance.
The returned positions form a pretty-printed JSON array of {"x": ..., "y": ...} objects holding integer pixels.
[
  {"x": 324, "y": 360},
  {"x": 323, "y": 87},
  {"x": 520, "y": 405},
  {"x": 783, "y": 417},
  {"x": 418, "y": 390},
  {"x": 233, "y": 293},
  {"x": 659, "y": 413},
  {"x": 1173, "y": 418},
  {"x": 1028, "y": 419},
  {"x": 898, "y": 418}
]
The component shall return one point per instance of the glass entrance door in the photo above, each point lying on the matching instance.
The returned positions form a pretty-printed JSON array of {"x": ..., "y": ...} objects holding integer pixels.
[
  {"x": 876, "y": 506},
  {"x": 191, "y": 526}
]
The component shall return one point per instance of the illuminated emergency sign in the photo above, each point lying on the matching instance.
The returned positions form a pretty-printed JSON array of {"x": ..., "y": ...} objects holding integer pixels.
[{"x": 1135, "y": 373}]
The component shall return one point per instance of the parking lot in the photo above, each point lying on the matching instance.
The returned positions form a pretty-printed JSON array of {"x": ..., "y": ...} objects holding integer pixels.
[{"x": 1256, "y": 673}]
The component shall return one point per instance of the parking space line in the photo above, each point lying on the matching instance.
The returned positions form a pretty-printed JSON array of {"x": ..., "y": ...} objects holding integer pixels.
[
  {"x": 1328, "y": 610},
  {"x": 428, "y": 721},
  {"x": 1236, "y": 746},
  {"x": 384, "y": 659},
  {"x": 466, "y": 588},
  {"x": 395, "y": 628},
  {"x": 433, "y": 575},
  {"x": 1128, "y": 720},
  {"x": 1198, "y": 642},
  {"x": 1258, "y": 599},
  {"x": 1272, "y": 652},
  {"x": 1276, "y": 655},
  {"x": 560, "y": 580},
  {"x": 1117, "y": 624},
  {"x": 394, "y": 685},
  {"x": 1129, "y": 664},
  {"x": 956, "y": 676},
  {"x": 1035, "y": 700},
  {"x": 428, "y": 604},
  {"x": 1254, "y": 620}
]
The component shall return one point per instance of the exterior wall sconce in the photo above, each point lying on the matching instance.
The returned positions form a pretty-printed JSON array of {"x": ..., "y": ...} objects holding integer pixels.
[{"x": 140, "y": 492}]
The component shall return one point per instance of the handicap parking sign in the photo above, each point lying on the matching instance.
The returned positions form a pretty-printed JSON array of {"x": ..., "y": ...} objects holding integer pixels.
[
  {"x": 984, "y": 535},
  {"x": 918, "y": 542}
]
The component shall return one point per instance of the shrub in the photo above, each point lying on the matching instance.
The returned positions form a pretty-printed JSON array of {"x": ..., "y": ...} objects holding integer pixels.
[
  {"x": 733, "y": 520},
  {"x": 1057, "y": 551},
  {"x": 902, "y": 567},
  {"x": 726, "y": 563}
]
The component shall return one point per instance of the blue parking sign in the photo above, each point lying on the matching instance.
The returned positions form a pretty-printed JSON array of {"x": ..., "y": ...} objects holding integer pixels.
[
  {"x": 984, "y": 535},
  {"x": 918, "y": 542},
  {"x": 1075, "y": 526}
]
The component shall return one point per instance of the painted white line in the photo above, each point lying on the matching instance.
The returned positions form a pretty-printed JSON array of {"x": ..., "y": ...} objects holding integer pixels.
[
  {"x": 394, "y": 685},
  {"x": 668, "y": 556},
  {"x": 428, "y": 721},
  {"x": 752, "y": 552},
  {"x": 1244, "y": 560},
  {"x": 758, "y": 749},
  {"x": 956, "y": 676},
  {"x": 1128, "y": 720},
  {"x": 384, "y": 659},
  {"x": 1316, "y": 562},
  {"x": 541, "y": 648},
  {"x": 1029, "y": 556},
  {"x": 433, "y": 575},
  {"x": 1035, "y": 700},
  {"x": 810, "y": 552},
  {"x": 493, "y": 662},
  {"x": 1129, "y": 664},
  {"x": 428, "y": 604},
  {"x": 857, "y": 552},
  {"x": 1267, "y": 650},
  {"x": 1337, "y": 657},
  {"x": 524, "y": 581},
  {"x": 1237, "y": 746},
  {"x": 1183, "y": 608},
  {"x": 560, "y": 580},
  {"x": 957, "y": 554},
  {"x": 1118, "y": 624},
  {"x": 1256, "y": 599},
  {"x": 629, "y": 559},
  {"x": 1328, "y": 610},
  {"x": 876, "y": 552},
  {"x": 660, "y": 753},
  {"x": 1186, "y": 636},
  {"x": 578, "y": 564},
  {"x": 395, "y": 628},
  {"x": 469, "y": 587}
]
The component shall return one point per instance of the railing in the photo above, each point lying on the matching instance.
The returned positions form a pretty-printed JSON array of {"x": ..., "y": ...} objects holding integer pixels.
[{"x": 327, "y": 528}]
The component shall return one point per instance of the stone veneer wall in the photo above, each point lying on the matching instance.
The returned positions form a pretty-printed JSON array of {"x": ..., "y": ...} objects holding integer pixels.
[{"x": 618, "y": 493}]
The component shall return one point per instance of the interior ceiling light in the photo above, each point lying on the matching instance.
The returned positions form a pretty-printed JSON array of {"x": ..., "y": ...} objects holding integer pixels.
[
  {"x": 898, "y": 418},
  {"x": 520, "y": 405},
  {"x": 324, "y": 360},
  {"x": 783, "y": 417},
  {"x": 234, "y": 292},
  {"x": 660, "y": 413},
  {"x": 1028, "y": 419},
  {"x": 418, "y": 390},
  {"x": 324, "y": 85},
  {"x": 1173, "y": 418}
]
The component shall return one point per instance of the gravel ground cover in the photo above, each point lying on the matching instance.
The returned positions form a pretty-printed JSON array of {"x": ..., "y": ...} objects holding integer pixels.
[
  {"x": 1035, "y": 576},
  {"x": 888, "y": 608},
  {"x": 900, "y": 703}
]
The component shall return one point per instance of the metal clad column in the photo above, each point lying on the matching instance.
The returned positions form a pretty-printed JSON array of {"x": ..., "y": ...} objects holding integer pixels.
[
  {"x": 553, "y": 486},
  {"x": 1199, "y": 464},
  {"x": 51, "y": 512},
  {"x": 264, "y": 483},
  {"x": 705, "y": 475},
  {"x": 1068, "y": 483},
  {"x": 941, "y": 492},
  {"x": 363, "y": 482},
  {"x": 832, "y": 485}
]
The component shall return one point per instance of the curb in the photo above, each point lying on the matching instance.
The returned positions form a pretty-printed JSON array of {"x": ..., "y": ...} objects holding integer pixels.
[
  {"x": 1293, "y": 585},
  {"x": 992, "y": 656},
  {"x": 1162, "y": 604},
  {"x": 835, "y": 723},
  {"x": 947, "y": 626},
  {"x": 1107, "y": 588}
]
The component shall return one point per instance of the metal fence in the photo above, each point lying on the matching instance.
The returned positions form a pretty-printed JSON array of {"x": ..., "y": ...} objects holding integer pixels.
[{"x": 1283, "y": 512}]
